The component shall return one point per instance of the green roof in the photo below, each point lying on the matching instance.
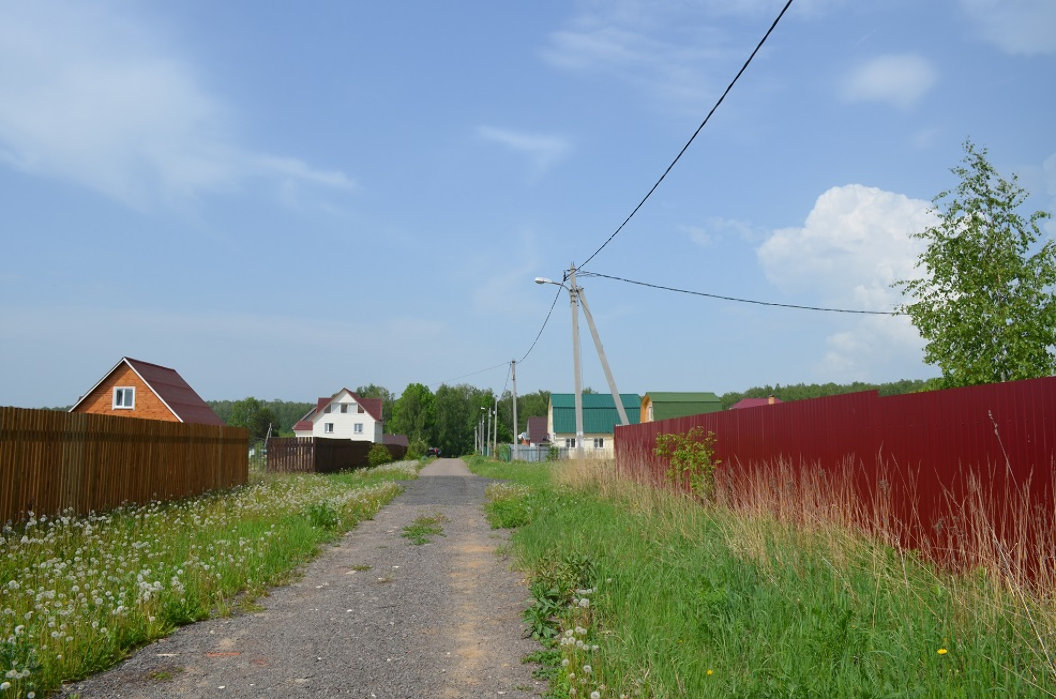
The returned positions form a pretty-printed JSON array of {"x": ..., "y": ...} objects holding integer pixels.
[
  {"x": 599, "y": 412},
  {"x": 667, "y": 404}
]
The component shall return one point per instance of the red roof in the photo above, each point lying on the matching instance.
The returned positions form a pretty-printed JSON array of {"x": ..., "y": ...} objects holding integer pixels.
[
  {"x": 399, "y": 440},
  {"x": 537, "y": 433},
  {"x": 372, "y": 406},
  {"x": 754, "y": 402},
  {"x": 171, "y": 389}
]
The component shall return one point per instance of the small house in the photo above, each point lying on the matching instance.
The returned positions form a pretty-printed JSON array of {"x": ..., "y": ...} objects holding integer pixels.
[
  {"x": 600, "y": 418},
  {"x": 754, "y": 402},
  {"x": 134, "y": 388},
  {"x": 657, "y": 405},
  {"x": 344, "y": 415}
]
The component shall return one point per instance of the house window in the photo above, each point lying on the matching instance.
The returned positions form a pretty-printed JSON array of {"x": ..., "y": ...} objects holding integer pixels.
[
  {"x": 344, "y": 407},
  {"x": 360, "y": 409},
  {"x": 328, "y": 427},
  {"x": 570, "y": 442},
  {"x": 125, "y": 397},
  {"x": 599, "y": 442},
  {"x": 358, "y": 428},
  {"x": 328, "y": 408}
]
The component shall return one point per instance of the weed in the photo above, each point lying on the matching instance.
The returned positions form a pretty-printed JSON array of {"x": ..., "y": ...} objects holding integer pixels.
[{"x": 422, "y": 529}]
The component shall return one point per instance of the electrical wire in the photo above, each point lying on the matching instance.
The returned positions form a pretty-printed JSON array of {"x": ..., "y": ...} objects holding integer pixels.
[
  {"x": 541, "y": 329},
  {"x": 472, "y": 373},
  {"x": 691, "y": 138},
  {"x": 740, "y": 300}
]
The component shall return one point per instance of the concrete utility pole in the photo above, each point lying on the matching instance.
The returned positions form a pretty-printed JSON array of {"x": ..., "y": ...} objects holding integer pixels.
[
  {"x": 495, "y": 432},
  {"x": 513, "y": 370},
  {"x": 604, "y": 361},
  {"x": 573, "y": 294}
]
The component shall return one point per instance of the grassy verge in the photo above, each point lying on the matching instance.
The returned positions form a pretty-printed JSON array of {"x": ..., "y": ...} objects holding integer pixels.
[
  {"x": 639, "y": 592},
  {"x": 78, "y": 593}
]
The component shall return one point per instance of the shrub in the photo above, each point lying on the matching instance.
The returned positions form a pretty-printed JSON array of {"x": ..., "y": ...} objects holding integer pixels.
[
  {"x": 378, "y": 455},
  {"x": 691, "y": 455}
]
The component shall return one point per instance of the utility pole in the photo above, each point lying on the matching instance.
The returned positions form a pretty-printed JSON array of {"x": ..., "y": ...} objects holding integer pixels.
[
  {"x": 513, "y": 369},
  {"x": 604, "y": 361},
  {"x": 573, "y": 294},
  {"x": 495, "y": 432},
  {"x": 487, "y": 444}
]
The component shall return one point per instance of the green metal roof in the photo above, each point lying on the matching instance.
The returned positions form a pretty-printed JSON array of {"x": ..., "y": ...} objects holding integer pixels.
[
  {"x": 668, "y": 404},
  {"x": 599, "y": 412}
]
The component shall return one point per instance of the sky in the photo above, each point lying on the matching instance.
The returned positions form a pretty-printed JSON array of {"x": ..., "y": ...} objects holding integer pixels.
[{"x": 283, "y": 199}]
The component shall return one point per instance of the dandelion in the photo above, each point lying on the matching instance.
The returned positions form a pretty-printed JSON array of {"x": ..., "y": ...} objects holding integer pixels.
[
  {"x": 710, "y": 671},
  {"x": 942, "y": 651},
  {"x": 564, "y": 662},
  {"x": 595, "y": 695},
  {"x": 588, "y": 669}
]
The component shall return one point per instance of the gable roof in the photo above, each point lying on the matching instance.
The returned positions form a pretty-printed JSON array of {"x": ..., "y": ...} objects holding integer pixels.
[
  {"x": 599, "y": 412},
  {"x": 399, "y": 440},
  {"x": 170, "y": 388},
  {"x": 537, "y": 433},
  {"x": 372, "y": 406},
  {"x": 754, "y": 402},
  {"x": 669, "y": 404}
]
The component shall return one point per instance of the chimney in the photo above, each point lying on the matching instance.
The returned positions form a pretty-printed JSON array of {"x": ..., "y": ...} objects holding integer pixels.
[{"x": 770, "y": 400}]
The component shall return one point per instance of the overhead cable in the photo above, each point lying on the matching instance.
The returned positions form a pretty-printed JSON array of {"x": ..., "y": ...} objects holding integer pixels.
[
  {"x": 720, "y": 297},
  {"x": 691, "y": 138},
  {"x": 543, "y": 327}
]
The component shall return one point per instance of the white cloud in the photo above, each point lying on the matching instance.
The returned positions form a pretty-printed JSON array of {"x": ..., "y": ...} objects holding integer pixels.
[
  {"x": 717, "y": 228},
  {"x": 542, "y": 150},
  {"x": 1015, "y": 26},
  {"x": 854, "y": 243},
  {"x": 96, "y": 99},
  {"x": 896, "y": 79}
]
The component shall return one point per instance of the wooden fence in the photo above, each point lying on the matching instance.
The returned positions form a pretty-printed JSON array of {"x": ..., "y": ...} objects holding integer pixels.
[
  {"x": 322, "y": 455},
  {"x": 920, "y": 457},
  {"x": 51, "y": 461}
]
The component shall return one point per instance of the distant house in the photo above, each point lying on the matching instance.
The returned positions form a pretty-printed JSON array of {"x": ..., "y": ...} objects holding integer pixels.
[
  {"x": 754, "y": 402},
  {"x": 537, "y": 432},
  {"x": 396, "y": 440},
  {"x": 600, "y": 418},
  {"x": 657, "y": 405},
  {"x": 134, "y": 388},
  {"x": 344, "y": 415}
]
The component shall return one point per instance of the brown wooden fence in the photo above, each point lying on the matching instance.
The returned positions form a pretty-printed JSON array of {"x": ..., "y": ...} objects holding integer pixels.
[
  {"x": 322, "y": 455},
  {"x": 52, "y": 460},
  {"x": 921, "y": 456}
]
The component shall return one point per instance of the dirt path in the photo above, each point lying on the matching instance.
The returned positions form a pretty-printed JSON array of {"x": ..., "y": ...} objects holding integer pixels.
[{"x": 374, "y": 616}]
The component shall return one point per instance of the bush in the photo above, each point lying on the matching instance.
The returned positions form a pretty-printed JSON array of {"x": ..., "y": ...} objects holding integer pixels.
[
  {"x": 691, "y": 454},
  {"x": 378, "y": 455},
  {"x": 416, "y": 449}
]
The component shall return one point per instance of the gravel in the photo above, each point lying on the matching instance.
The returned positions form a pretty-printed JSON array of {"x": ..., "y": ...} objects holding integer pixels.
[{"x": 373, "y": 616}]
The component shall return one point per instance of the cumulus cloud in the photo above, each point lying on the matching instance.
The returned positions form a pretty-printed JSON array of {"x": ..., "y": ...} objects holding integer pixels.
[
  {"x": 542, "y": 150},
  {"x": 853, "y": 245},
  {"x": 896, "y": 79},
  {"x": 1015, "y": 26},
  {"x": 100, "y": 100}
]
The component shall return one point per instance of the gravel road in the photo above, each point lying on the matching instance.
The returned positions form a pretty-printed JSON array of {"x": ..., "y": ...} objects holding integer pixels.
[{"x": 373, "y": 616}]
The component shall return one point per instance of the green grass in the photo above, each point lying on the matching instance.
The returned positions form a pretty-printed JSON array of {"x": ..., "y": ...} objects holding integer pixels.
[
  {"x": 78, "y": 593},
  {"x": 685, "y": 600},
  {"x": 424, "y": 528}
]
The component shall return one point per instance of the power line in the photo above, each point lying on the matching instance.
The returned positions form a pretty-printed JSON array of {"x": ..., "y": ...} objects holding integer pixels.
[
  {"x": 740, "y": 300},
  {"x": 545, "y": 321},
  {"x": 691, "y": 138},
  {"x": 472, "y": 373}
]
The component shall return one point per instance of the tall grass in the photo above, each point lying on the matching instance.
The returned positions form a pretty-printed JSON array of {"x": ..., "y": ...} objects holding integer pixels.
[
  {"x": 77, "y": 593},
  {"x": 778, "y": 589}
]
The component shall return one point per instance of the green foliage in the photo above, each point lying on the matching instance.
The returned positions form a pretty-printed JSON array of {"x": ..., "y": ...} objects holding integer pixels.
[
  {"x": 984, "y": 303},
  {"x": 322, "y": 515},
  {"x": 416, "y": 449},
  {"x": 387, "y": 399},
  {"x": 422, "y": 529},
  {"x": 414, "y": 414},
  {"x": 508, "y": 505},
  {"x": 691, "y": 456},
  {"x": 378, "y": 455},
  {"x": 553, "y": 589},
  {"x": 284, "y": 414}
]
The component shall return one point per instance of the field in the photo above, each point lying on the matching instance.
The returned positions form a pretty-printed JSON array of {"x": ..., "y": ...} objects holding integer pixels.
[{"x": 642, "y": 592}]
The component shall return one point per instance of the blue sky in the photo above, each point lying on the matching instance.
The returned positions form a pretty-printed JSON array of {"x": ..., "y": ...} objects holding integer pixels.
[{"x": 281, "y": 199}]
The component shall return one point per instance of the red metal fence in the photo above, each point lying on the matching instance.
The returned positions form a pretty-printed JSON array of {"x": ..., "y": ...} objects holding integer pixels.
[{"x": 922, "y": 454}]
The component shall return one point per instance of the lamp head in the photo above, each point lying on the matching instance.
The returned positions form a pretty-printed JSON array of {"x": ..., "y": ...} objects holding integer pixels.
[{"x": 543, "y": 280}]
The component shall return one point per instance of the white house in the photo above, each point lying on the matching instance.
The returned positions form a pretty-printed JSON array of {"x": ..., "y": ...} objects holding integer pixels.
[{"x": 344, "y": 415}]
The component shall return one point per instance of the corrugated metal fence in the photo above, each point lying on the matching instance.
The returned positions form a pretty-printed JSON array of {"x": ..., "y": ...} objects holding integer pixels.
[
  {"x": 917, "y": 455},
  {"x": 52, "y": 460},
  {"x": 322, "y": 455}
]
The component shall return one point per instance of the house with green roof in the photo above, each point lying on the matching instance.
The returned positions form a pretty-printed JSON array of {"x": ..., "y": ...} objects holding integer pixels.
[
  {"x": 600, "y": 418},
  {"x": 662, "y": 405}
]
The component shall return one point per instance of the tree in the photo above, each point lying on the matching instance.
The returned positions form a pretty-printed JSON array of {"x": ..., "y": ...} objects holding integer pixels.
[
  {"x": 253, "y": 415},
  {"x": 387, "y": 399},
  {"x": 984, "y": 304},
  {"x": 414, "y": 414}
]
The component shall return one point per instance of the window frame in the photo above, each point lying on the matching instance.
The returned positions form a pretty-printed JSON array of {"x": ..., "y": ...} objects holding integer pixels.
[
  {"x": 124, "y": 391},
  {"x": 328, "y": 428}
]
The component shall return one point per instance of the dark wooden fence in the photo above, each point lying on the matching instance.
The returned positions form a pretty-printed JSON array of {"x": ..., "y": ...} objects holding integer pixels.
[
  {"x": 322, "y": 455},
  {"x": 920, "y": 456},
  {"x": 52, "y": 460}
]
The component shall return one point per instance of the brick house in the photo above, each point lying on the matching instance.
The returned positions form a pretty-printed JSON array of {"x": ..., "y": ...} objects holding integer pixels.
[{"x": 134, "y": 388}]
